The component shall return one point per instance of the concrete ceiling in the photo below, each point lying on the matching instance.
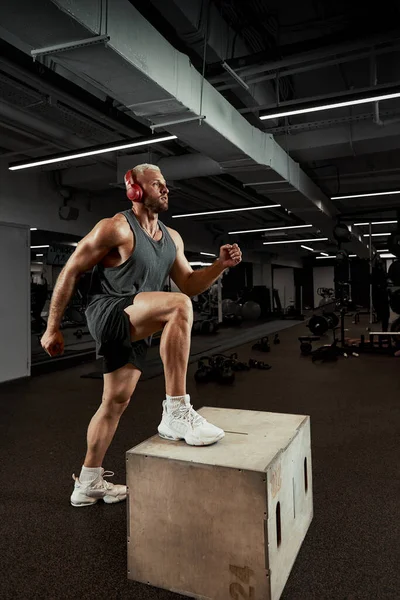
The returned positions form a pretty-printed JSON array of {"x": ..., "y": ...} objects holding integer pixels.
[{"x": 52, "y": 105}]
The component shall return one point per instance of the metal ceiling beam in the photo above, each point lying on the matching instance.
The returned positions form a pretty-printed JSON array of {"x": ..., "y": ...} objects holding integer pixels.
[
  {"x": 321, "y": 64},
  {"x": 325, "y": 123},
  {"x": 245, "y": 65},
  {"x": 44, "y": 87},
  {"x": 367, "y": 211},
  {"x": 47, "y": 129},
  {"x": 393, "y": 86}
]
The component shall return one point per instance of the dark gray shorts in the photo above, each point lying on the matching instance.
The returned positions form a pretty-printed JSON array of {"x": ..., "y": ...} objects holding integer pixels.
[{"x": 110, "y": 329}]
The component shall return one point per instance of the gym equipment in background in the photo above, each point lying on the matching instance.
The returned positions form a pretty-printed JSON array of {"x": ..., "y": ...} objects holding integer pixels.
[
  {"x": 79, "y": 333},
  {"x": 251, "y": 311},
  {"x": 306, "y": 343},
  {"x": 261, "y": 295},
  {"x": 289, "y": 312},
  {"x": 217, "y": 368},
  {"x": 39, "y": 293},
  {"x": 393, "y": 274},
  {"x": 230, "y": 307},
  {"x": 205, "y": 310},
  {"x": 234, "y": 312},
  {"x": 394, "y": 243},
  {"x": 205, "y": 327},
  {"x": 331, "y": 352},
  {"x": 380, "y": 342},
  {"x": 231, "y": 312},
  {"x": 220, "y": 368},
  {"x": 262, "y": 345},
  {"x": 341, "y": 233},
  {"x": 258, "y": 364},
  {"x": 319, "y": 324},
  {"x": 328, "y": 299}
]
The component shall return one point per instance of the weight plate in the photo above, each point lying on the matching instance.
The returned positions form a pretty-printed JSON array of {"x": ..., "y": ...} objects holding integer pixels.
[
  {"x": 318, "y": 325},
  {"x": 333, "y": 318},
  {"x": 394, "y": 272},
  {"x": 341, "y": 233},
  {"x": 395, "y": 301},
  {"x": 394, "y": 244}
]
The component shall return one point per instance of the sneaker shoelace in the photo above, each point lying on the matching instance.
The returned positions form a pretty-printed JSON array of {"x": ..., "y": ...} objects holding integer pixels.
[
  {"x": 187, "y": 413},
  {"x": 107, "y": 484}
]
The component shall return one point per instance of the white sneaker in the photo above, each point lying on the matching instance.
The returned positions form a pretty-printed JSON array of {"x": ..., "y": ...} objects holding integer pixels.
[
  {"x": 184, "y": 423},
  {"x": 85, "y": 494}
]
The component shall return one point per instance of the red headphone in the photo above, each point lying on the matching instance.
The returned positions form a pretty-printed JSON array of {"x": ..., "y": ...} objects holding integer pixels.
[{"x": 133, "y": 190}]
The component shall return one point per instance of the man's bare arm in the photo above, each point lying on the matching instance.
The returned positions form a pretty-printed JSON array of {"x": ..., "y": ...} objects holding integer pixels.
[
  {"x": 188, "y": 281},
  {"x": 89, "y": 252}
]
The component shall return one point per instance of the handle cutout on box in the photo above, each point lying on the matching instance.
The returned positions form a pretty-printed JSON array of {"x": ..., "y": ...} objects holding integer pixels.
[
  {"x": 305, "y": 475},
  {"x": 278, "y": 524}
]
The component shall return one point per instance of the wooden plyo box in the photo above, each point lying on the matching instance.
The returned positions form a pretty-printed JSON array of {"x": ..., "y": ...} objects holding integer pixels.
[{"x": 224, "y": 521}]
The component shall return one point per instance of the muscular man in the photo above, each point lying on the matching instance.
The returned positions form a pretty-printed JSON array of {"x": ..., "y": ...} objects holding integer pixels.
[{"x": 131, "y": 255}]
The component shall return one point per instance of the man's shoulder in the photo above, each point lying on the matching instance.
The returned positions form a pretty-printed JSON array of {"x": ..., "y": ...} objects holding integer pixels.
[
  {"x": 116, "y": 226},
  {"x": 174, "y": 234}
]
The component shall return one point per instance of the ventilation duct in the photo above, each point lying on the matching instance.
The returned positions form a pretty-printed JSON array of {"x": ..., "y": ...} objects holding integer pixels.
[{"x": 143, "y": 72}]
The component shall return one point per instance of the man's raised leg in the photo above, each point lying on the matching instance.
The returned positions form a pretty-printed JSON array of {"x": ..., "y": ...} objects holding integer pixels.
[{"x": 173, "y": 313}]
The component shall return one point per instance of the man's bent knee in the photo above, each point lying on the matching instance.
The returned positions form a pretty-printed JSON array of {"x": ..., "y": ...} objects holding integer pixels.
[
  {"x": 183, "y": 305},
  {"x": 114, "y": 405}
]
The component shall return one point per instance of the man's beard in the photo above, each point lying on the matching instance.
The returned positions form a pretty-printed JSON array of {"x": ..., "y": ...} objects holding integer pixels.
[{"x": 156, "y": 205}]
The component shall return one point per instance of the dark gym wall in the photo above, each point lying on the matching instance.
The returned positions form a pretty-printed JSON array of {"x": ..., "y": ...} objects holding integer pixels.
[
  {"x": 236, "y": 280},
  {"x": 303, "y": 278},
  {"x": 359, "y": 270}
]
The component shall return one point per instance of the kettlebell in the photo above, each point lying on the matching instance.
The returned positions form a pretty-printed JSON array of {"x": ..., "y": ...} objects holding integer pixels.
[
  {"x": 262, "y": 345},
  {"x": 306, "y": 348},
  {"x": 225, "y": 373},
  {"x": 255, "y": 364},
  {"x": 204, "y": 373}
]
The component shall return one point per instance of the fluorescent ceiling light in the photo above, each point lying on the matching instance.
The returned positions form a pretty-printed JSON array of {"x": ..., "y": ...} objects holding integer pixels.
[
  {"x": 375, "y": 234},
  {"x": 235, "y": 76},
  {"x": 207, "y": 254},
  {"x": 40, "y": 246},
  {"x": 352, "y": 255},
  {"x": 270, "y": 229},
  {"x": 33, "y": 228},
  {"x": 307, "y": 248},
  {"x": 228, "y": 210},
  {"x": 366, "y": 195},
  {"x": 324, "y": 257},
  {"x": 310, "y": 109},
  {"x": 39, "y": 255},
  {"x": 375, "y": 223},
  {"x": 384, "y": 250},
  {"x": 388, "y": 255},
  {"x": 297, "y": 241},
  {"x": 198, "y": 263},
  {"x": 324, "y": 254},
  {"x": 64, "y": 156},
  {"x": 35, "y": 262}
]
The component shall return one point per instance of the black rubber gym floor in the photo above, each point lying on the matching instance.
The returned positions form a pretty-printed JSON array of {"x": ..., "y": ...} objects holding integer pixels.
[{"x": 50, "y": 550}]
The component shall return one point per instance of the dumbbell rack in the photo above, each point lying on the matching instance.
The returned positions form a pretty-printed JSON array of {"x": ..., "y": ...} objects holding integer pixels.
[{"x": 383, "y": 336}]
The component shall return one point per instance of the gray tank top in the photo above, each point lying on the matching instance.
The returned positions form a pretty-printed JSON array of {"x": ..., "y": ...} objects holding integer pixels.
[{"x": 146, "y": 270}]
